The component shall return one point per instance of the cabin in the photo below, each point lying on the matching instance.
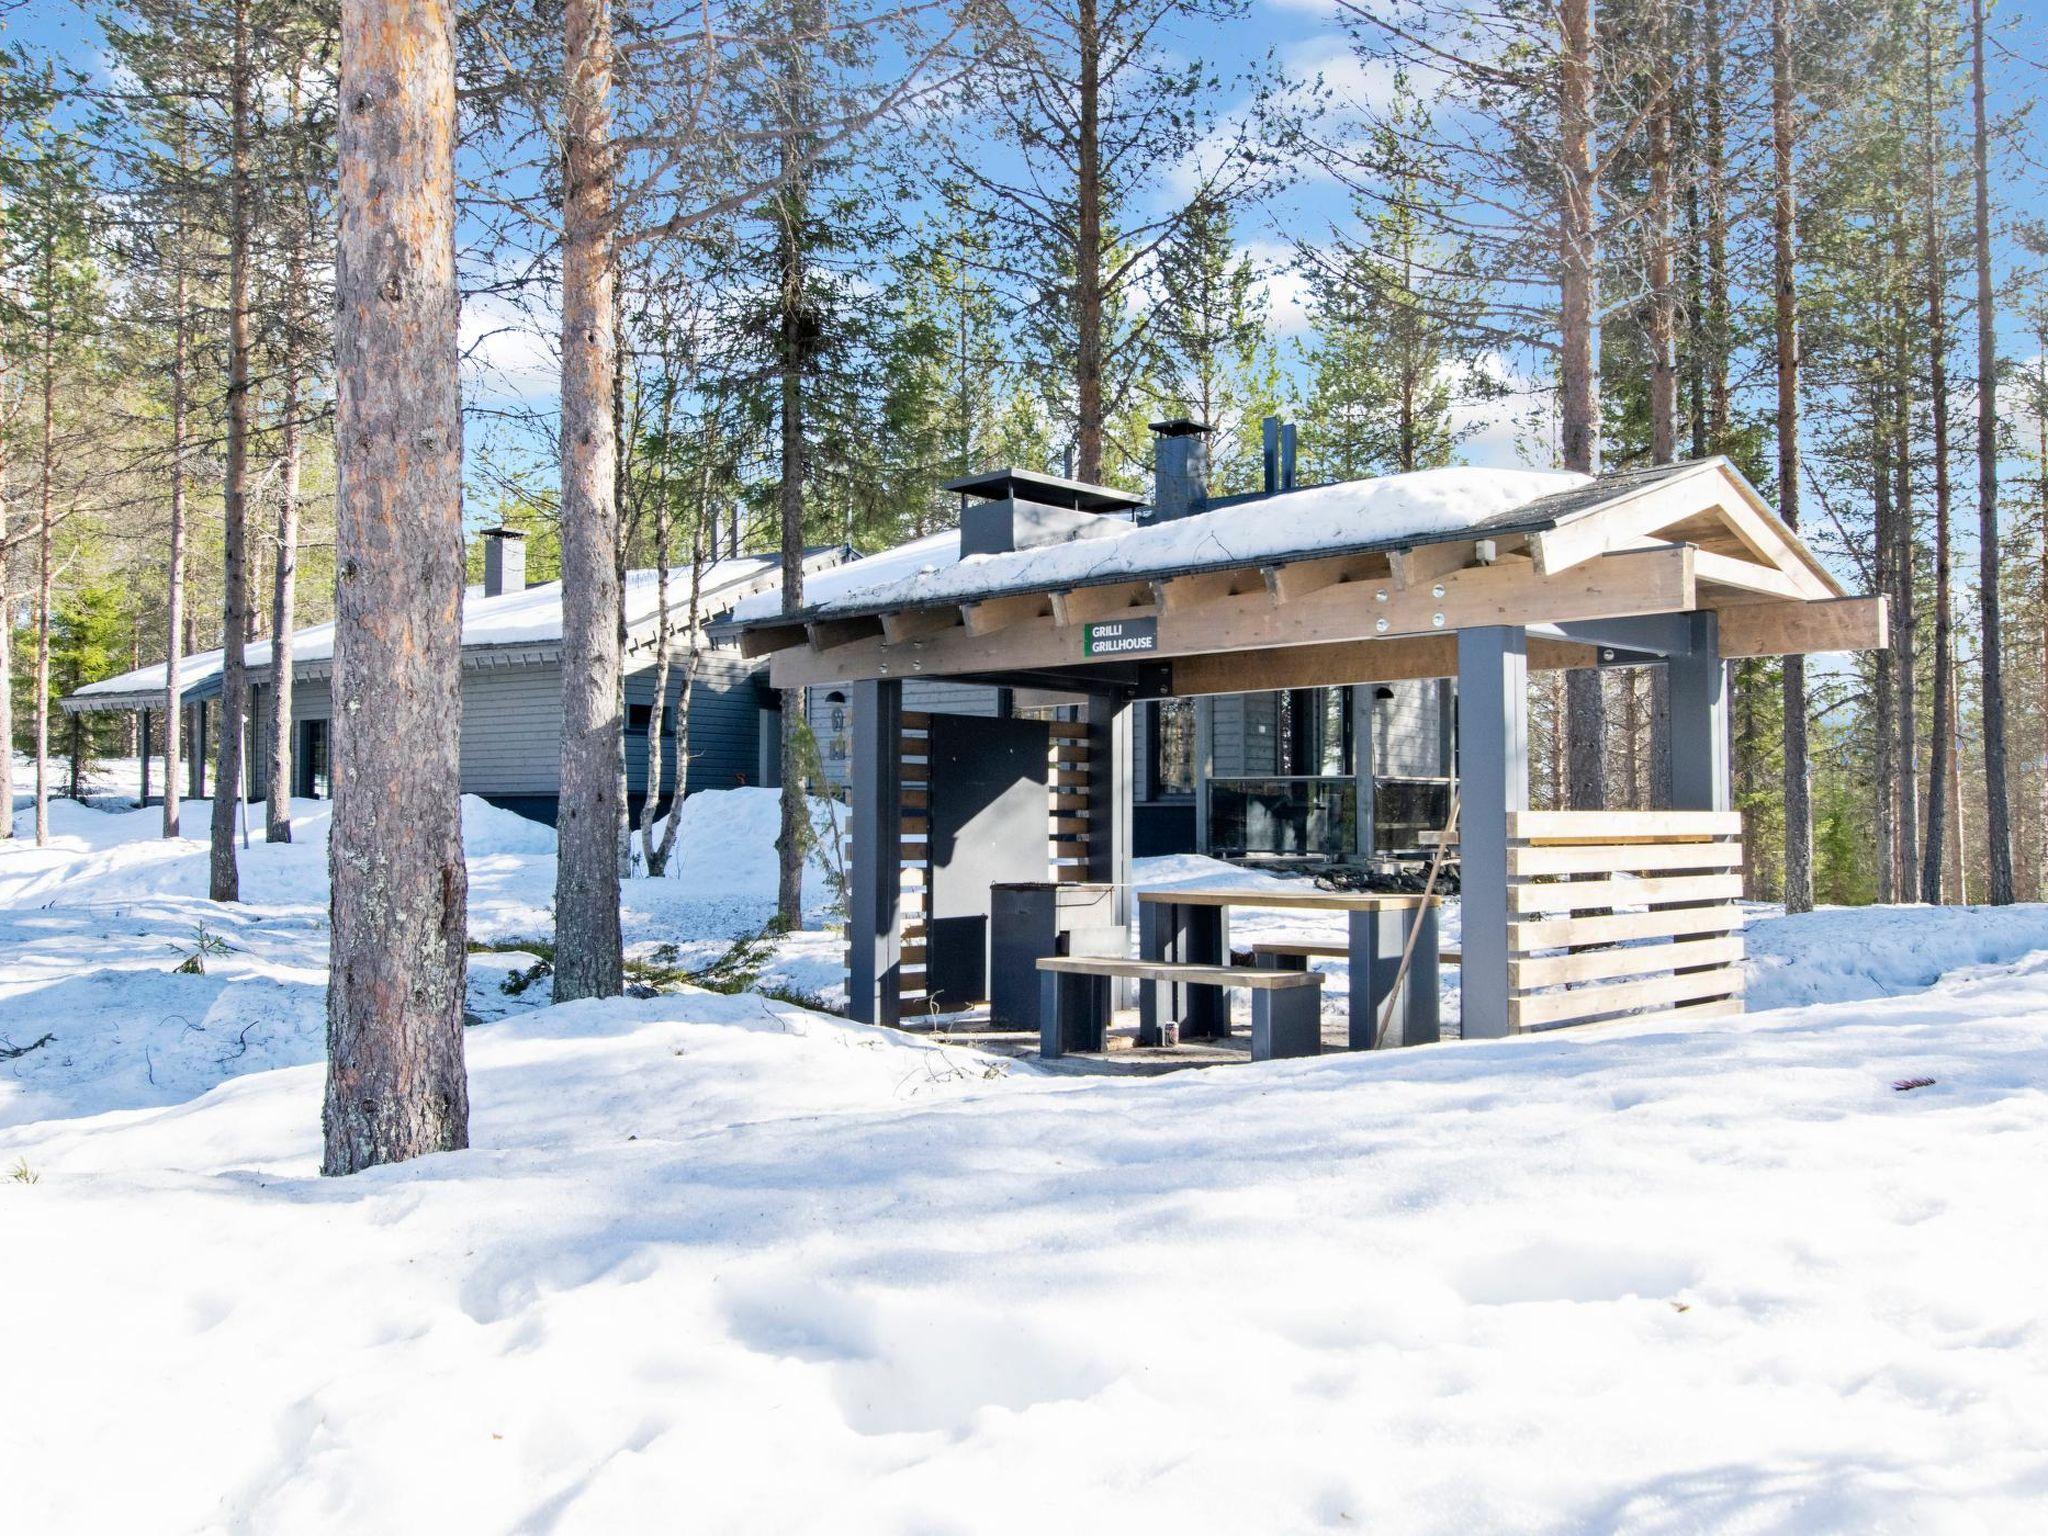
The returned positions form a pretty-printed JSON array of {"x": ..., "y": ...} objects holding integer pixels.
[
  {"x": 1294, "y": 777},
  {"x": 1390, "y": 625},
  {"x": 511, "y": 688}
]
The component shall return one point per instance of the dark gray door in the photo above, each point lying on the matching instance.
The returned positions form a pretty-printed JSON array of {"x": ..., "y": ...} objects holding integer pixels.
[{"x": 988, "y": 825}]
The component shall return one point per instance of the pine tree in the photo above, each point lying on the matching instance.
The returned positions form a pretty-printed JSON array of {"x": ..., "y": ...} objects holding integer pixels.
[{"x": 396, "y": 1085}]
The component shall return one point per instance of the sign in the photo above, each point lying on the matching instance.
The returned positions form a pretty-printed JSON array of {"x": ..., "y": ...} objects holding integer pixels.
[{"x": 1121, "y": 637}]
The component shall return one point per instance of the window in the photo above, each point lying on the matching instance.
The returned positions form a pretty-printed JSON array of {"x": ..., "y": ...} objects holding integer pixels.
[
  {"x": 1170, "y": 749},
  {"x": 1313, "y": 732}
]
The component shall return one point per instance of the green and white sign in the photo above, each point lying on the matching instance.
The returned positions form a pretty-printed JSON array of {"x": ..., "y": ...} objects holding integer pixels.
[{"x": 1121, "y": 637}]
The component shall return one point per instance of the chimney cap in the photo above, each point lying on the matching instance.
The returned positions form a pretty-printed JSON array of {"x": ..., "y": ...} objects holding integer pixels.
[
  {"x": 1181, "y": 426},
  {"x": 504, "y": 533}
]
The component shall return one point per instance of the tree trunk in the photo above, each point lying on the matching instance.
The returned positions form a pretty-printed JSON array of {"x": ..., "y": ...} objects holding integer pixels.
[
  {"x": 1663, "y": 329},
  {"x": 2041, "y": 426},
  {"x": 396, "y": 1086},
  {"x": 588, "y": 956},
  {"x": 1578, "y": 371},
  {"x": 1905, "y": 604},
  {"x": 277, "y": 826},
  {"x": 44, "y": 575},
  {"x": 1088, "y": 294},
  {"x": 224, "y": 878},
  {"x": 792, "y": 840},
  {"x": 1785, "y": 290},
  {"x": 174, "y": 602},
  {"x": 1889, "y": 884},
  {"x": 658, "y": 860},
  {"x": 1934, "y": 855},
  {"x": 1997, "y": 800},
  {"x": 6, "y": 613}
]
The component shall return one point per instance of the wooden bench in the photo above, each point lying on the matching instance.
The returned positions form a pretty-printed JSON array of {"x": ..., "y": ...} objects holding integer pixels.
[
  {"x": 1287, "y": 1006},
  {"x": 1295, "y": 954}
]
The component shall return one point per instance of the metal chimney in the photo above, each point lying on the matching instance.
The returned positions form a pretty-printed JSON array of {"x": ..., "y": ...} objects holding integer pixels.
[
  {"x": 1180, "y": 469},
  {"x": 504, "y": 561}
]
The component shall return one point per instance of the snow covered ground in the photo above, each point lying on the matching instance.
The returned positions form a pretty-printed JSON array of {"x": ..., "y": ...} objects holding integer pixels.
[{"x": 727, "y": 1264}]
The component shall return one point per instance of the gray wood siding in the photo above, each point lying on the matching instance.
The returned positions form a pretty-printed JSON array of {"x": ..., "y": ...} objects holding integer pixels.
[
  {"x": 725, "y": 722},
  {"x": 1406, "y": 728},
  {"x": 832, "y": 719}
]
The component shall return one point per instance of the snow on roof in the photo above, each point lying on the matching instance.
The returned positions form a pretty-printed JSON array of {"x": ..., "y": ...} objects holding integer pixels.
[
  {"x": 1427, "y": 505},
  {"x": 529, "y": 617}
]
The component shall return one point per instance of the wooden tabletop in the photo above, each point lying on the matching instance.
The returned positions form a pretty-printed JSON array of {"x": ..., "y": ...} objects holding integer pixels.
[{"x": 1298, "y": 901}]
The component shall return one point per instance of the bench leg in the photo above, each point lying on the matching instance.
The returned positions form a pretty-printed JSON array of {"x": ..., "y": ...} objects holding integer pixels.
[
  {"x": 1377, "y": 938},
  {"x": 1287, "y": 1023},
  {"x": 1074, "y": 1013}
]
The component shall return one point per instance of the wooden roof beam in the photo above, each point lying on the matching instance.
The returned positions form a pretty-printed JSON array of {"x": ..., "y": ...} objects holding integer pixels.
[
  {"x": 1781, "y": 628},
  {"x": 1425, "y": 563},
  {"x": 830, "y": 634},
  {"x": 992, "y": 614},
  {"x": 1297, "y": 579},
  {"x": 1084, "y": 605},
  {"x": 915, "y": 623},
  {"x": 769, "y": 638},
  {"x": 1507, "y": 592},
  {"x": 1177, "y": 594},
  {"x": 1745, "y": 575}
]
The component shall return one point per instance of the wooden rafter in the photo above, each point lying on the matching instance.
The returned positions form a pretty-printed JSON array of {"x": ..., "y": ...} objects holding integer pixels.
[
  {"x": 1425, "y": 563},
  {"x": 913, "y": 623},
  {"x": 1510, "y": 592},
  {"x": 1083, "y": 605},
  {"x": 998, "y": 613}
]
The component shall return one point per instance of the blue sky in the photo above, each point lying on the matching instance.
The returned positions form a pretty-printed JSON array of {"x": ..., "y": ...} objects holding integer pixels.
[{"x": 516, "y": 359}]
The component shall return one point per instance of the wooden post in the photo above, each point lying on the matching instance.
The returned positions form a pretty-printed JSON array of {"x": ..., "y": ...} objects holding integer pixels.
[
  {"x": 874, "y": 929},
  {"x": 1493, "y": 780}
]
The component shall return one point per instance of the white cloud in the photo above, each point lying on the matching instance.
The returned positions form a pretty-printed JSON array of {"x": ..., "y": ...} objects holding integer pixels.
[{"x": 509, "y": 353}]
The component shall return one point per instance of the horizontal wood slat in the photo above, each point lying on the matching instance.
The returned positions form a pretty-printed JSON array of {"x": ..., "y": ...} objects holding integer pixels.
[
  {"x": 1634, "y": 960},
  {"x": 1069, "y": 824},
  {"x": 1068, "y": 802},
  {"x": 1070, "y": 850},
  {"x": 1616, "y": 826},
  {"x": 915, "y": 720},
  {"x": 916, "y": 800},
  {"x": 1584, "y": 895},
  {"x": 1618, "y": 927},
  {"x": 1069, "y": 752},
  {"x": 1590, "y": 1002},
  {"x": 1069, "y": 874},
  {"x": 1067, "y": 730},
  {"x": 1637, "y": 858}
]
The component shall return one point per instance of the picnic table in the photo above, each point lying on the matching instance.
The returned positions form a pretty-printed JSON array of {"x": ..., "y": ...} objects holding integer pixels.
[{"x": 1192, "y": 927}]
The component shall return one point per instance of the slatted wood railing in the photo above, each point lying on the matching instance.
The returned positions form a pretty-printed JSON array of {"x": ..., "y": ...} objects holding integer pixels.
[
  {"x": 914, "y": 891},
  {"x": 1067, "y": 801},
  {"x": 1614, "y": 913}
]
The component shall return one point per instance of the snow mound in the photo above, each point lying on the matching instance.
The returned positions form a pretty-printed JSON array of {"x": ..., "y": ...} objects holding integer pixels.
[
  {"x": 1849, "y": 954},
  {"x": 725, "y": 842}
]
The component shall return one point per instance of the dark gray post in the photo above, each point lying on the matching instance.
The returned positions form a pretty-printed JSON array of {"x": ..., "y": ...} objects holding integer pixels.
[
  {"x": 1698, "y": 694},
  {"x": 1379, "y": 935},
  {"x": 1108, "y": 718},
  {"x": 1493, "y": 780},
  {"x": 874, "y": 927},
  {"x": 1287, "y": 1022},
  {"x": 142, "y": 731}
]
